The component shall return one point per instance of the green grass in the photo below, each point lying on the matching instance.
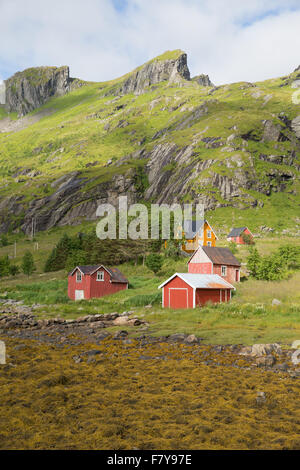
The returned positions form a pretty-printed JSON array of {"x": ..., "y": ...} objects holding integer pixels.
[
  {"x": 248, "y": 318},
  {"x": 75, "y": 135}
]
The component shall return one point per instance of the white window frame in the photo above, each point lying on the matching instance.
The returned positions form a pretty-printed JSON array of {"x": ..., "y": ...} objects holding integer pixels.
[
  {"x": 78, "y": 276},
  {"x": 208, "y": 243},
  {"x": 223, "y": 268},
  {"x": 100, "y": 275},
  {"x": 208, "y": 233}
]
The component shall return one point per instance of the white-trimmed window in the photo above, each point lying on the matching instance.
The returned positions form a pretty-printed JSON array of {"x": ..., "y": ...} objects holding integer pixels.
[
  {"x": 208, "y": 234},
  {"x": 100, "y": 275},
  {"x": 208, "y": 243},
  {"x": 223, "y": 270},
  {"x": 78, "y": 276}
]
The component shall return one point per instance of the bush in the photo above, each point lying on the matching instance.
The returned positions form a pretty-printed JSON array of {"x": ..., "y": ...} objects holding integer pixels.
[
  {"x": 233, "y": 247},
  {"x": 14, "y": 269},
  {"x": 4, "y": 240},
  {"x": 247, "y": 239},
  {"x": 154, "y": 262},
  {"x": 274, "y": 267}
]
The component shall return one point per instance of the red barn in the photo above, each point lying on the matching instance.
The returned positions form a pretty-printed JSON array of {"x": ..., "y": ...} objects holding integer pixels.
[
  {"x": 187, "y": 290},
  {"x": 215, "y": 260},
  {"x": 236, "y": 235},
  {"x": 85, "y": 282}
]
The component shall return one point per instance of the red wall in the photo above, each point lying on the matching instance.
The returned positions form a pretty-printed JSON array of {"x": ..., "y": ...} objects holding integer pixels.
[
  {"x": 176, "y": 299},
  {"x": 230, "y": 276},
  {"x": 83, "y": 285},
  {"x": 200, "y": 268},
  {"x": 211, "y": 295},
  {"x": 92, "y": 287},
  {"x": 239, "y": 240}
]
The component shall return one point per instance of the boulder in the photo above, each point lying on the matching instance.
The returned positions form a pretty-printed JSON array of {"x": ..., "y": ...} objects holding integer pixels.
[
  {"x": 265, "y": 361},
  {"x": 265, "y": 349},
  {"x": 296, "y": 344},
  {"x": 276, "y": 302}
]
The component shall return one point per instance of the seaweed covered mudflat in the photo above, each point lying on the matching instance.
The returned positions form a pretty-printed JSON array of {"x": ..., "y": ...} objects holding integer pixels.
[{"x": 122, "y": 393}]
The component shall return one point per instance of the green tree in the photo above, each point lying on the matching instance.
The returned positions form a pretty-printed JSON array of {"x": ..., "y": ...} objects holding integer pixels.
[
  {"x": 75, "y": 258},
  {"x": 233, "y": 247},
  {"x": 253, "y": 261},
  {"x": 28, "y": 266},
  {"x": 14, "y": 269},
  {"x": 154, "y": 262},
  {"x": 4, "y": 240},
  {"x": 248, "y": 239},
  {"x": 4, "y": 266},
  {"x": 58, "y": 257}
]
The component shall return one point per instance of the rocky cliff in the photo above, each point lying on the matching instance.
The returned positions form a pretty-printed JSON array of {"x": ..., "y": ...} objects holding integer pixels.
[
  {"x": 173, "y": 70},
  {"x": 27, "y": 90},
  {"x": 153, "y": 135}
]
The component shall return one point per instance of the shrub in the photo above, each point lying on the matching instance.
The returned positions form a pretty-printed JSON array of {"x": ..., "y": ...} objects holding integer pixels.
[
  {"x": 154, "y": 262},
  {"x": 233, "y": 247},
  {"x": 14, "y": 269},
  {"x": 247, "y": 239},
  {"x": 4, "y": 240}
]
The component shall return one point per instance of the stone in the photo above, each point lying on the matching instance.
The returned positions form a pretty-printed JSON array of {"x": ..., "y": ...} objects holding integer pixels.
[
  {"x": 296, "y": 357},
  {"x": 261, "y": 398},
  {"x": 265, "y": 349},
  {"x": 265, "y": 361},
  {"x": 282, "y": 367},
  {"x": 276, "y": 302},
  {"x": 77, "y": 359},
  {"x": 296, "y": 344},
  {"x": 2, "y": 353},
  {"x": 120, "y": 334},
  {"x": 191, "y": 339},
  {"x": 121, "y": 320}
]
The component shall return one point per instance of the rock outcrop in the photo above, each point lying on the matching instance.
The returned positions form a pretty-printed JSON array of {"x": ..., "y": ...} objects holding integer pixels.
[
  {"x": 27, "y": 90},
  {"x": 202, "y": 80},
  {"x": 156, "y": 71}
]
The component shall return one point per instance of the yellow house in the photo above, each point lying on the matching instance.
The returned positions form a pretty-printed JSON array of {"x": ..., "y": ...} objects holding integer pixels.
[{"x": 197, "y": 233}]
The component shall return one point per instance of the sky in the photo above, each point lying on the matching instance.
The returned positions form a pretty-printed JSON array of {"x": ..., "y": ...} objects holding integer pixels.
[{"x": 230, "y": 40}]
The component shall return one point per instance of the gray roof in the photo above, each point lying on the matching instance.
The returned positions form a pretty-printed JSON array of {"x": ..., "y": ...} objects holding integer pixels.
[
  {"x": 236, "y": 232},
  {"x": 201, "y": 281}
]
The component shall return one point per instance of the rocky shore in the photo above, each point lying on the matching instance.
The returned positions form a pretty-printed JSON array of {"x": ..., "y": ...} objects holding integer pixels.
[{"x": 20, "y": 322}]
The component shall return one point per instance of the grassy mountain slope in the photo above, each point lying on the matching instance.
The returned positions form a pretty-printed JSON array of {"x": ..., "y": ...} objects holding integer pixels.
[{"x": 232, "y": 147}]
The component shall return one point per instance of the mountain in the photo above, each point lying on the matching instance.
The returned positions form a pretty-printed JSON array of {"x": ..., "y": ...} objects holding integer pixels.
[{"x": 156, "y": 135}]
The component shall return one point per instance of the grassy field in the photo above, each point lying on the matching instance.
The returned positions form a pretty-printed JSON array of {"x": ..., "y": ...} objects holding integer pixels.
[{"x": 249, "y": 318}]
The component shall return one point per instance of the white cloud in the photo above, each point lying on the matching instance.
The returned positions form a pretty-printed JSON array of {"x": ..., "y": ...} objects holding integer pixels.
[{"x": 230, "y": 40}]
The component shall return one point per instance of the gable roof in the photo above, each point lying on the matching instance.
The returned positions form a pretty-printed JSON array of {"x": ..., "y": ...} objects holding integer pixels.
[
  {"x": 218, "y": 255},
  {"x": 115, "y": 273},
  {"x": 236, "y": 232},
  {"x": 201, "y": 281},
  {"x": 192, "y": 227}
]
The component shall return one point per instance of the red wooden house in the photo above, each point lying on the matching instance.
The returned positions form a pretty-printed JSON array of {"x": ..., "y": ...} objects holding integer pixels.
[
  {"x": 85, "y": 282},
  {"x": 187, "y": 290},
  {"x": 236, "y": 235},
  {"x": 215, "y": 260}
]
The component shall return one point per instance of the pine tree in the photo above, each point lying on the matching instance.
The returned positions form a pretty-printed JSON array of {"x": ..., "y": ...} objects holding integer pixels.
[{"x": 28, "y": 264}]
